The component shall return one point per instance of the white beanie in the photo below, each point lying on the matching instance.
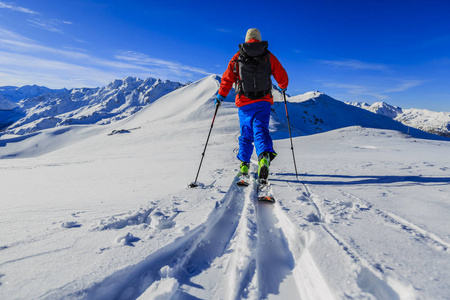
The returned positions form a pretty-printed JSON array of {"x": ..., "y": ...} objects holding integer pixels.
[{"x": 253, "y": 33}]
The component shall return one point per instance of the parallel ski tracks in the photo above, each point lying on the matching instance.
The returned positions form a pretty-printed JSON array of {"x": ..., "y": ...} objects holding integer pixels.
[
  {"x": 254, "y": 259},
  {"x": 371, "y": 278},
  {"x": 248, "y": 249},
  {"x": 245, "y": 249},
  {"x": 392, "y": 219}
]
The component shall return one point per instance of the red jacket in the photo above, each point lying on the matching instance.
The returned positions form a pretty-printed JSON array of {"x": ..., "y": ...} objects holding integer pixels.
[{"x": 231, "y": 76}]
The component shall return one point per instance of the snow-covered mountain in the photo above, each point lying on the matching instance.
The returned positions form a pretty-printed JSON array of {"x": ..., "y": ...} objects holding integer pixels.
[
  {"x": 53, "y": 108},
  {"x": 312, "y": 112},
  {"x": 315, "y": 112},
  {"x": 6, "y": 111},
  {"x": 429, "y": 121},
  {"x": 16, "y": 94},
  {"x": 6, "y": 105},
  {"x": 104, "y": 212}
]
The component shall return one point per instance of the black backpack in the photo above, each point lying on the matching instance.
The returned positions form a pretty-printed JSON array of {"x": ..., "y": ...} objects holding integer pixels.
[{"x": 255, "y": 70}]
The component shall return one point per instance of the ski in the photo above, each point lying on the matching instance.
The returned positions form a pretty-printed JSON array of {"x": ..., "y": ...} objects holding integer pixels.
[
  {"x": 265, "y": 192},
  {"x": 243, "y": 180},
  {"x": 264, "y": 188}
]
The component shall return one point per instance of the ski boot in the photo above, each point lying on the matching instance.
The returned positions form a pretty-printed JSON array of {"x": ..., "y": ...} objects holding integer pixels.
[
  {"x": 244, "y": 178},
  {"x": 244, "y": 168},
  {"x": 263, "y": 169}
]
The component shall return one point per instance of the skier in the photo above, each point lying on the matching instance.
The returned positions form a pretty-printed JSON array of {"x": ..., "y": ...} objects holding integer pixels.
[{"x": 251, "y": 68}]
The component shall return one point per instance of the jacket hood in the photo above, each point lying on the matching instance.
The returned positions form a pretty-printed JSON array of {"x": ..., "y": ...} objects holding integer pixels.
[{"x": 254, "y": 48}]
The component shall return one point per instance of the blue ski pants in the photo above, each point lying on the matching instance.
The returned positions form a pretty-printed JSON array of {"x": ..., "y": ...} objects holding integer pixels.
[{"x": 254, "y": 122}]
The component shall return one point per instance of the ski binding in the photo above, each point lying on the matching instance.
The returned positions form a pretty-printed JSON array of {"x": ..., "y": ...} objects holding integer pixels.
[
  {"x": 265, "y": 192},
  {"x": 243, "y": 180}
]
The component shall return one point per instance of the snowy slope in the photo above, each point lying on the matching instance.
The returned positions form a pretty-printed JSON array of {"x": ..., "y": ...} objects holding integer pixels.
[
  {"x": 15, "y": 94},
  {"x": 87, "y": 214},
  {"x": 55, "y": 108},
  {"x": 6, "y": 110},
  {"x": 315, "y": 112},
  {"x": 5, "y": 104},
  {"x": 429, "y": 121}
]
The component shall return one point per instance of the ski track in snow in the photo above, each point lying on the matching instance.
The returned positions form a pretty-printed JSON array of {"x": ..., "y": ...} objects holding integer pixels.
[
  {"x": 245, "y": 249},
  {"x": 249, "y": 250},
  {"x": 394, "y": 220},
  {"x": 370, "y": 280},
  {"x": 182, "y": 260}
]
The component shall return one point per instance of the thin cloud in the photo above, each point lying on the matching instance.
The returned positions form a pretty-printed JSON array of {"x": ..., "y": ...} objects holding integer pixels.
[
  {"x": 27, "y": 61},
  {"x": 17, "y": 43},
  {"x": 405, "y": 85},
  {"x": 17, "y": 8},
  {"x": 378, "y": 89},
  {"x": 44, "y": 25},
  {"x": 52, "y": 25},
  {"x": 357, "y": 90},
  {"x": 79, "y": 41},
  {"x": 20, "y": 69},
  {"x": 142, "y": 59},
  {"x": 355, "y": 64}
]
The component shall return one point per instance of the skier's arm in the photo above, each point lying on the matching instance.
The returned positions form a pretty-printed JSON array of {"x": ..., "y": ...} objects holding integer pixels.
[
  {"x": 229, "y": 77},
  {"x": 278, "y": 72}
]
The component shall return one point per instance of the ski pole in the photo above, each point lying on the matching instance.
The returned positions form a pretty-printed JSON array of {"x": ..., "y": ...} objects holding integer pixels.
[
  {"x": 290, "y": 135},
  {"x": 194, "y": 184}
]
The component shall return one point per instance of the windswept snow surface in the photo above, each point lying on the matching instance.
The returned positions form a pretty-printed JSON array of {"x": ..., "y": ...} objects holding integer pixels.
[{"x": 104, "y": 212}]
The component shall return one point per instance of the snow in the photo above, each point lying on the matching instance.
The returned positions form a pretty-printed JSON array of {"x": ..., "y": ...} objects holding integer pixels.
[
  {"x": 15, "y": 94},
  {"x": 41, "y": 108},
  {"x": 429, "y": 121},
  {"x": 87, "y": 214},
  {"x": 6, "y": 105}
]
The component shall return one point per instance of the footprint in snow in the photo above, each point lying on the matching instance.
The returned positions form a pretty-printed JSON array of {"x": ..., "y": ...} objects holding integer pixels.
[
  {"x": 313, "y": 218},
  {"x": 127, "y": 239},
  {"x": 103, "y": 249},
  {"x": 161, "y": 221},
  {"x": 70, "y": 224}
]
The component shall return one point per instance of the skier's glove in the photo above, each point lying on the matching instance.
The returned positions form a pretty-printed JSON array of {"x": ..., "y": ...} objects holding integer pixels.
[
  {"x": 282, "y": 90},
  {"x": 219, "y": 99}
]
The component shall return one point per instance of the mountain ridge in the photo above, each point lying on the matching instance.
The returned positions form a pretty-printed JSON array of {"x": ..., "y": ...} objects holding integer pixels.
[
  {"x": 430, "y": 121},
  {"x": 312, "y": 112},
  {"x": 52, "y": 108}
]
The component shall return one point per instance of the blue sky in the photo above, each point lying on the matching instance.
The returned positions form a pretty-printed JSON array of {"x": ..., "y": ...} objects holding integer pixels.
[{"x": 353, "y": 50}]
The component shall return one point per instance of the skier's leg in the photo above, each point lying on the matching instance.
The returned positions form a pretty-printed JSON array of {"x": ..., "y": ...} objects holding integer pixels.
[
  {"x": 246, "y": 135},
  {"x": 263, "y": 141}
]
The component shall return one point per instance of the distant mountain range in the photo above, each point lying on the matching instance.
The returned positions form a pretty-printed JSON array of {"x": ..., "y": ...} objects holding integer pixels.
[
  {"x": 32, "y": 108},
  {"x": 429, "y": 121}
]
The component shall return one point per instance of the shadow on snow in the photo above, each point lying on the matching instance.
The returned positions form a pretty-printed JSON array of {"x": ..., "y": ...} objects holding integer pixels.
[{"x": 362, "y": 179}]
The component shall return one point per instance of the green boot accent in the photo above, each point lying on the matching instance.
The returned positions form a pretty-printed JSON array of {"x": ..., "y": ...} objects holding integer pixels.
[
  {"x": 263, "y": 169},
  {"x": 244, "y": 168}
]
